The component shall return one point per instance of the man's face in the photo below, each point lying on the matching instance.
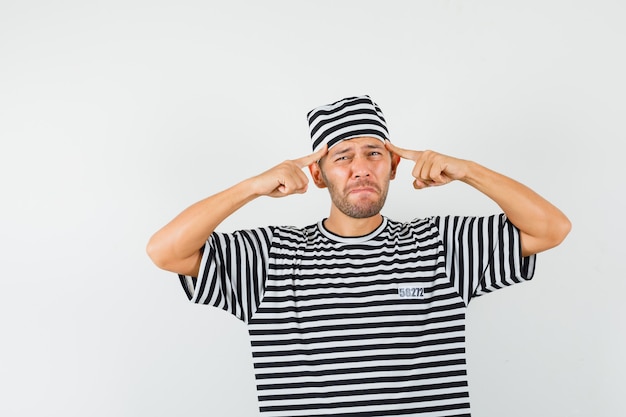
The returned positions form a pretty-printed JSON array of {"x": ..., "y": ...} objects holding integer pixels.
[{"x": 357, "y": 173}]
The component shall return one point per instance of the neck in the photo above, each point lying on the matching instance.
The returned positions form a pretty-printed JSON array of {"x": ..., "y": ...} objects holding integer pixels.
[{"x": 342, "y": 225}]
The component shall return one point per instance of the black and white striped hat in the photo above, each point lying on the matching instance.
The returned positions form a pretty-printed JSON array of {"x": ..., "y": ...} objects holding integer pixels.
[{"x": 347, "y": 118}]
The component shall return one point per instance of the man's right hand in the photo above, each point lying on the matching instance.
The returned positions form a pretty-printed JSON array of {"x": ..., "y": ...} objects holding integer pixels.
[
  {"x": 177, "y": 246},
  {"x": 286, "y": 178}
]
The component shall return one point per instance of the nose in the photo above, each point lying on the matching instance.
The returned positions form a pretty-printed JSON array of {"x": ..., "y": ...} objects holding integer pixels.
[{"x": 360, "y": 167}]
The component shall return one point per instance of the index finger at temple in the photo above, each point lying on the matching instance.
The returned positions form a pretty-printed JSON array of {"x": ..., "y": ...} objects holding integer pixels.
[
  {"x": 401, "y": 152},
  {"x": 314, "y": 157}
]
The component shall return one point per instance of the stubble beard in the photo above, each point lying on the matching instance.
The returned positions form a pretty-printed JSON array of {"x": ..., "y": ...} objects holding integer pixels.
[{"x": 362, "y": 209}]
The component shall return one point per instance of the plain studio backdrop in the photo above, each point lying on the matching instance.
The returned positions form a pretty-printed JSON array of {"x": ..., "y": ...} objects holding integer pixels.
[{"x": 117, "y": 115}]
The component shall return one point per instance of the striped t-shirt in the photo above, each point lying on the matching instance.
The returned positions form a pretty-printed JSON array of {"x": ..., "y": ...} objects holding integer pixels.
[{"x": 360, "y": 326}]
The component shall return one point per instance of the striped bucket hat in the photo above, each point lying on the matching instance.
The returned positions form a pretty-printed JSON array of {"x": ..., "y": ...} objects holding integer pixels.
[{"x": 347, "y": 118}]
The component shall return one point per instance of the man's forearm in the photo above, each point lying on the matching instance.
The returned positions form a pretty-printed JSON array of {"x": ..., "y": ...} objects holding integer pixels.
[
  {"x": 176, "y": 246},
  {"x": 542, "y": 225}
]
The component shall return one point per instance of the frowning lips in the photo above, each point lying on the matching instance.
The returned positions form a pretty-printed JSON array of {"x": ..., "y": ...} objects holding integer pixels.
[{"x": 363, "y": 186}]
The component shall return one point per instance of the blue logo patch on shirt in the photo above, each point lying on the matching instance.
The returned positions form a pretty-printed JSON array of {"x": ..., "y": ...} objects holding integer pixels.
[{"x": 409, "y": 291}]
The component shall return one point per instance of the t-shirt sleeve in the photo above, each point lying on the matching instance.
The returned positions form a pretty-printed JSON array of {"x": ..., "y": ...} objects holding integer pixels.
[
  {"x": 232, "y": 272},
  {"x": 483, "y": 254}
]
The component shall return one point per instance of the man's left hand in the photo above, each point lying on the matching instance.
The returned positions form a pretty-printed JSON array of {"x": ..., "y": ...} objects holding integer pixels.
[{"x": 431, "y": 168}]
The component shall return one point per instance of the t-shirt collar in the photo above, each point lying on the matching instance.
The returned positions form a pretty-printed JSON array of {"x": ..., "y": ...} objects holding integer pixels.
[{"x": 352, "y": 239}]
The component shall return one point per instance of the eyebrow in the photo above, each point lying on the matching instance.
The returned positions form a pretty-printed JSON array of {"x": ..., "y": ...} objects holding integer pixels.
[{"x": 350, "y": 148}]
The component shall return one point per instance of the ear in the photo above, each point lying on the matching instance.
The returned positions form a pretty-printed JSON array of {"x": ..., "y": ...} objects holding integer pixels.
[
  {"x": 395, "y": 161},
  {"x": 316, "y": 174}
]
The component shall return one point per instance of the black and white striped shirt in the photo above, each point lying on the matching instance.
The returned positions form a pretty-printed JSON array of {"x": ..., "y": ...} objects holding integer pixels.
[{"x": 360, "y": 326}]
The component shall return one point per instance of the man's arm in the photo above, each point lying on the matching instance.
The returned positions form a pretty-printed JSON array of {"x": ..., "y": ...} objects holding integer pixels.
[
  {"x": 542, "y": 226},
  {"x": 176, "y": 247}
]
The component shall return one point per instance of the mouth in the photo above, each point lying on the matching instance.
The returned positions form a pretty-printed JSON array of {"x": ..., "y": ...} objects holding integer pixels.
[{"x": 363, "y": 188}]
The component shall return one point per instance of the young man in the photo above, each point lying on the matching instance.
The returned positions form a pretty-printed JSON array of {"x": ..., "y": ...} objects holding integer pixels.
[{"x": 358, "y": 315}]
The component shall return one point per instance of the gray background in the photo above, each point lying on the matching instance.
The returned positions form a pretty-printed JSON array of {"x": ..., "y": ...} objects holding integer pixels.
[{"x": 116, "y": 115}]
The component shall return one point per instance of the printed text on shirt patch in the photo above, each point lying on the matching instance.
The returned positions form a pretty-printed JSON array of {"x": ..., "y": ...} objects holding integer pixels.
[{"x": 409, "y": 291}]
